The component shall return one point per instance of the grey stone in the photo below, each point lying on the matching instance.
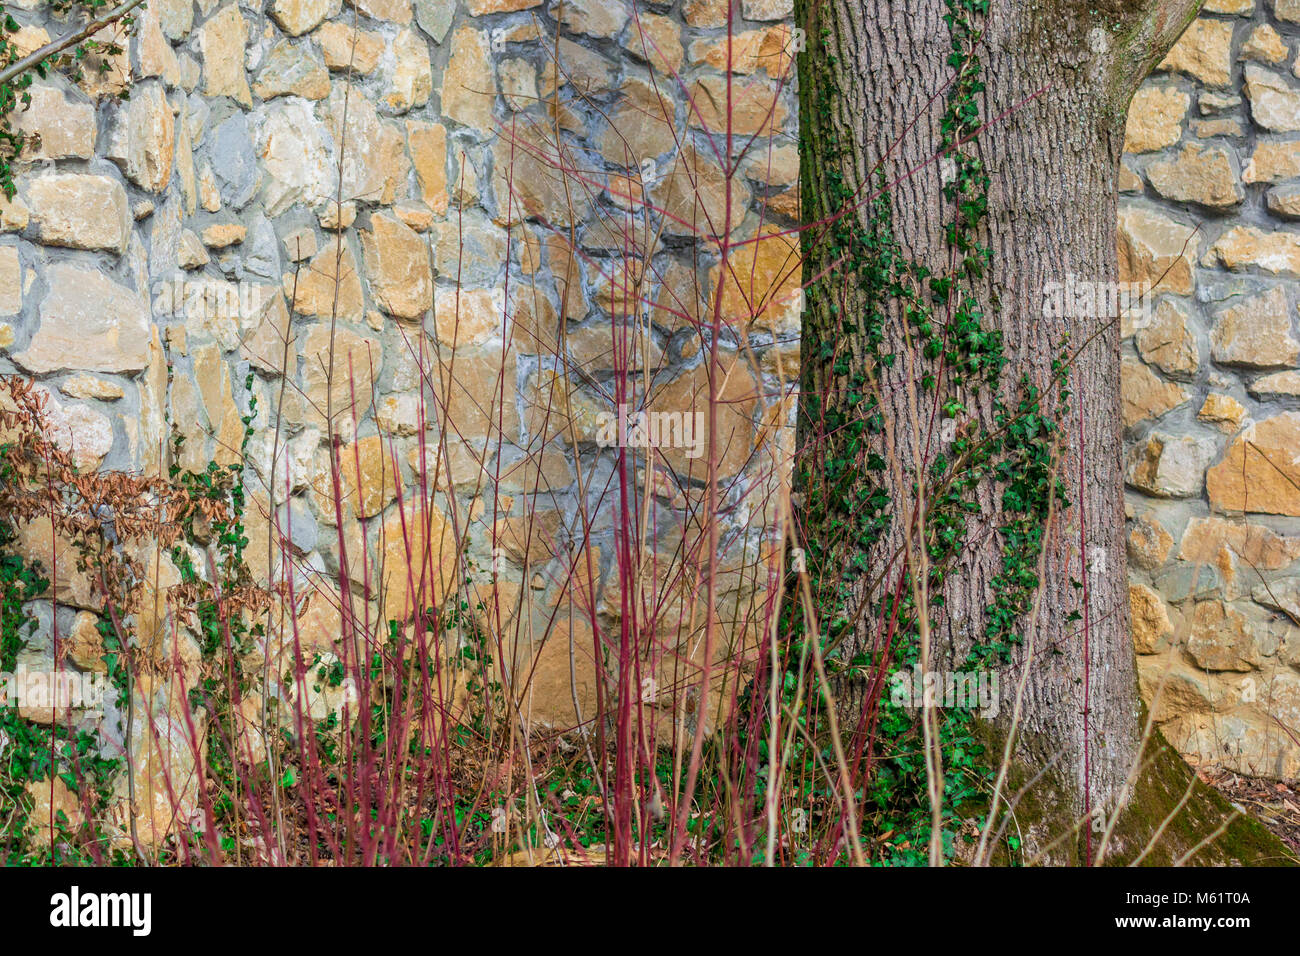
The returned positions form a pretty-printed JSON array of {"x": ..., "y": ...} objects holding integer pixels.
[
  {"x": 165, "y": 238},
  {"x": 1178, "y": 585},
  {"x": 473, "y": 249},
  {"x": 1283, "y": 596},
  {"x": 197, "y": 113},
  {"x": 434, "y": 17},
  {"x": 1284, "y": 201},
  {"x": 233, "y": 162},
  {"x": 263, "y": 256},
  {"x": 1218, "y": 288}
]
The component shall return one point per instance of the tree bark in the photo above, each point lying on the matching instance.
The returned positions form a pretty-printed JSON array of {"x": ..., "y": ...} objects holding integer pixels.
[{"x": 1058, "y": 76}]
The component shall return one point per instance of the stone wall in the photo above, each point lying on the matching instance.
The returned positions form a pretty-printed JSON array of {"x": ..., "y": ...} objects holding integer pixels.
[
  {"x": 412, "y": 194},
  {"x": 1210, "y": 197},
  {"x": 414, "y": 188}
]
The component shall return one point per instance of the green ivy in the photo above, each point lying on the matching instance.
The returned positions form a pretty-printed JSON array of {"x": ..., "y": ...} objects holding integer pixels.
[
  {"x": 845, "y": 502},
  {"x": 30, "y": 753}
]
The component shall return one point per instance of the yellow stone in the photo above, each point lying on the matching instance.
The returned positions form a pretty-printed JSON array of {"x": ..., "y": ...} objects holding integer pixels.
[
  {"x": 1240, "y": 247},
  {"x": 1261, "y": 470},
  {"x": 312, "y": 288},
  {"x": 1143, "y": 395},
  {"x": 296, "y": 17},
  {"x": 224, "y": 234},
  {"x": 398, "y": 11},
  {"x": 1151, "y": 625},
  {"x": 357, "y": 361},
  {"x": 1157, "y": 250},
  {"x": 558, "y": 681},
  {"x": 468, "y": 316},
  {"x": 761, "y": 283},
  {"x": 412, "y": 79},
  {"x": 419, "y": 559},
  {"x": 1155, "y": 118},
  {"x": 468, "y": 87},
  {"x": 399, "y": 267},
  {"x": 475, "y": 394},
  {"x": 1264, "y": 44},
  {"x": 1167, "y": 342},
  {"x": 686, "y": 401},
  {"x": 693, "y": 196},
  {"x": 427, "y": 143},
  {"x": 1206, "y": 539},
  {"x": 1198, "y": 174},
  {"x": 346, "y": 47},
  {"x": 657, "y": 40},
  {"x": 1149, "y": 543},
  {"x": 768, "y": 49},
  {"x": 222, "y": 39},
  {"x": 1272, "y": 160},
  {"x": 370, "y": 458},
  {"x": 1203, "y": 51},
  {"x": 79, "y": 211},
  {"x": 1222, "y": 411},
  {"x": 480, "y": 8},
  {"x": 753, "y": 107}
]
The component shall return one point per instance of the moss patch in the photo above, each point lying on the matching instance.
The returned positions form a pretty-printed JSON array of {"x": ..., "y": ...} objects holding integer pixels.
[
  {"x": 1043, "y": 817},
  {"x": 1245, "y": 841}
]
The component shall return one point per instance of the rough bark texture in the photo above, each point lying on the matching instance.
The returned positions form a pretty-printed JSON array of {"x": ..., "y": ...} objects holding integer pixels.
[{"x": 1062, "y": 73}]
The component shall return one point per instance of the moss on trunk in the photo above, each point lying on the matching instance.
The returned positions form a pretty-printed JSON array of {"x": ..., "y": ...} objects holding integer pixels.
[
  {"x": 1044, "y": 816},
  {"x": 1244, "y": 842}
]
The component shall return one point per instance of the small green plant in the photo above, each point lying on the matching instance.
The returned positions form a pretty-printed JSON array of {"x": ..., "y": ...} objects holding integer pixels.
[{"x": 33, "y": 755}]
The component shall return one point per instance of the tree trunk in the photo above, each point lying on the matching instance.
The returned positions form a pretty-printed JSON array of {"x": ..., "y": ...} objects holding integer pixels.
[{"x": 1057, "y": 78}]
